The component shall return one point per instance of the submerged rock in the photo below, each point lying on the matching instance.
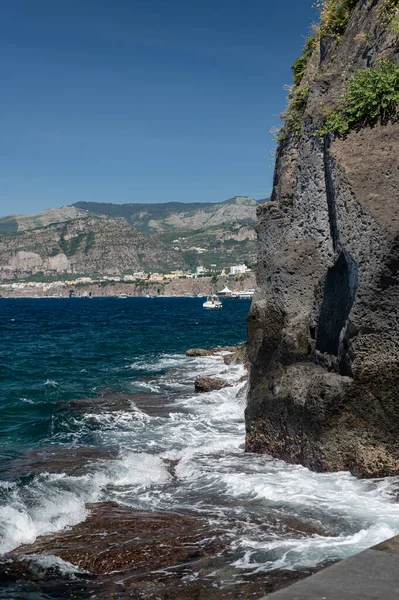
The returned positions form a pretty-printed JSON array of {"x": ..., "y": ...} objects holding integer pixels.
[
  {"x": 323, "y": 328},
  {"x": 72, "y": 460},
  {"x": 209, "y": 384},
  {"x": 112, "y": 401}
]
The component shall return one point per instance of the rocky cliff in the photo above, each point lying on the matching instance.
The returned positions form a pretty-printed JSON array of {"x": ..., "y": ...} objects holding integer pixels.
[{"x": 323, "y": 327}]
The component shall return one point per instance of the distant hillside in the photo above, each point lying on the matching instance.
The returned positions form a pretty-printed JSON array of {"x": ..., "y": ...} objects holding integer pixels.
[
  {"x": 177, "y": 215},
  {"x": 93, "y": 238},
  {"x": 15, "y": 223},
  {"x": 84, "y": 246}
]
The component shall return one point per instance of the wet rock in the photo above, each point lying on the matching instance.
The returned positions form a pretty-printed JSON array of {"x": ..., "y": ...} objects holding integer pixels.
[
  {"x": 231, "y": 349},
  {"x": 116, "y": 540},
  {"x": 242, "y": 392},
  {"x": 198, "y": 352},
  {"x": 209, "y": 384},
  {"x": 126, "y": 554},
  {"x": 239, "y": 355},
  {"x": 213, "y": 351},
  {"x": 41, "y": 568},
  {"x": 72, "y": 460},
  {"x": 171, "y": 465},
  {"x": 111, "y": 401},
  {"x": 154, "y": 404}
]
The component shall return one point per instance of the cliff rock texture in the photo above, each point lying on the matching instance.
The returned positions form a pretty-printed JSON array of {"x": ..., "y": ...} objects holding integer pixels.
[{"x": 323, "y": 327}]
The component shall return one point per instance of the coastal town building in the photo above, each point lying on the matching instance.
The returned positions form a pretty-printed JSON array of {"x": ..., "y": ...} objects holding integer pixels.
[
  {"x": 156, "y": 277},
  {"x": 239, "y": 270},
  {"x": 200, "y": 271}
]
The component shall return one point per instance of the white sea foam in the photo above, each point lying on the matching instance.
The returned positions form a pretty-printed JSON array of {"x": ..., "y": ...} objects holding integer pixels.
[
  {"x": 51, "y": 383},
  {"x": 41, "y": 564},
  {"x": 22, "y": 522},
  {"x": 192, "y": 458}
]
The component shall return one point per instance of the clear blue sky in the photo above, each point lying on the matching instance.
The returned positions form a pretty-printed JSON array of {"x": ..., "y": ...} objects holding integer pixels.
[{"x": 142, "y": 100}]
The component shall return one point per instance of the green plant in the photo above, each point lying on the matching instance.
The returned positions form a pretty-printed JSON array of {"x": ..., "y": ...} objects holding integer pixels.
[
  {"x": 388, "y": 14},
  {"x": 335, "y": 16},
  {"x": 372, "y": 95},
  {"x": 298, "y": 99},
  {"x": 299, "y": 66}
]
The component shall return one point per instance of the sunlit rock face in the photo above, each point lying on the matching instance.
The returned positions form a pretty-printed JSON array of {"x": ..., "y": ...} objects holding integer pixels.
[{"x": 323, "y": 327}]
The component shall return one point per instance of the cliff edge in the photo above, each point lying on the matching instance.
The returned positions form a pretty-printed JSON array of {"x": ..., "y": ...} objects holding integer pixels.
[{"x": 323, "y": 328}]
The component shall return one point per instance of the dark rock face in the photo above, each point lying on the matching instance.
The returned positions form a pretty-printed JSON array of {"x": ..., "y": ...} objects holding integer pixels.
[
  {"x": 323, "y": 328},
  {"x": 209, "y": 384}
]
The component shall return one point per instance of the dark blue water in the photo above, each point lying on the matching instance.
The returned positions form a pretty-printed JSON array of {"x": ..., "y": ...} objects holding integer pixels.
[{"x": 55, "y": 352}]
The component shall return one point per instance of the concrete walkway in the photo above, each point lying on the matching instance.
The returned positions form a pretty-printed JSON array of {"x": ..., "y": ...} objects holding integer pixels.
[{"x": 370, "y": 575}]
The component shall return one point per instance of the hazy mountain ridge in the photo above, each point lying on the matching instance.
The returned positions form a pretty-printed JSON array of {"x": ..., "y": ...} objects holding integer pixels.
[
  {"x": 151, "y": 218},
  {"x": 118, "y": 238},
  {"x": 15, "y": 223},
  {"x": 83, "y": 246}
]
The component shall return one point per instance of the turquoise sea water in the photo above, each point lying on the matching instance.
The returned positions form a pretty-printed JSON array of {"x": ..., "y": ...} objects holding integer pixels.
[
  {"x": 53, "y": 350},
  {"x": 56, "y": 352}
]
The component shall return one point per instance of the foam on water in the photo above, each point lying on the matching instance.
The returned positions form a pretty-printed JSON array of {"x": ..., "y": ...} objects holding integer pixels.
[{"x": 192, "y": 458}]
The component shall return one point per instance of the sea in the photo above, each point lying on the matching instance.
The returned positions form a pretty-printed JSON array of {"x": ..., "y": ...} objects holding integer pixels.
[{"x": 98, "y": 405}]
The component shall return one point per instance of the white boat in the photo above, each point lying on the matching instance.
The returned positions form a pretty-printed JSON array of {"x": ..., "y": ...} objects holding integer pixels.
[
  {"x": 212, "y": 302},
  {"x": 123, "y": 296},
  {"x": 246, "y": 294}
]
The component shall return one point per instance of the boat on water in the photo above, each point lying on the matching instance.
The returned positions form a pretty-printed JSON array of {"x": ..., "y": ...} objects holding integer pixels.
[
  {"x": 212, "y": 302},
  {"x": 123, "y": 296},
  {"x": 246, "y": 294}
]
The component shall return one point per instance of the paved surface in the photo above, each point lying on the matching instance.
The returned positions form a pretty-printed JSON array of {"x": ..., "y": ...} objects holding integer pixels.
[{"x": 370, "y": 575}]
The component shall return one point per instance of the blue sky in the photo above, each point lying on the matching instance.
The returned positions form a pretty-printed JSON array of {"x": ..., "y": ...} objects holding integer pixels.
[{"x": 142, "y": 100}]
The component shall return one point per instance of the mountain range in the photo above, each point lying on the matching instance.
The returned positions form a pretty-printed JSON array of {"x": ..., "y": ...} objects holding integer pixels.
[{"x": 90, "y": 238}]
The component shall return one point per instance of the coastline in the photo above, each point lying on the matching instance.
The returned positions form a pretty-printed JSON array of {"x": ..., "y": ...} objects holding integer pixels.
[{"x": 202, "y": 286}]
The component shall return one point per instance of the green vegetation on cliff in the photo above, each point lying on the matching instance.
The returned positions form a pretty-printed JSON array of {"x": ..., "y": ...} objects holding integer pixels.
[
  {"x": 335, "y": 16},
  {"x": 372, "y": 95},
  {"x": 389, "y": 15},
  {"x": 333, "y": 21},
  {"x": 299, "y": 66},
  {"x": 294, "y": 113}
]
